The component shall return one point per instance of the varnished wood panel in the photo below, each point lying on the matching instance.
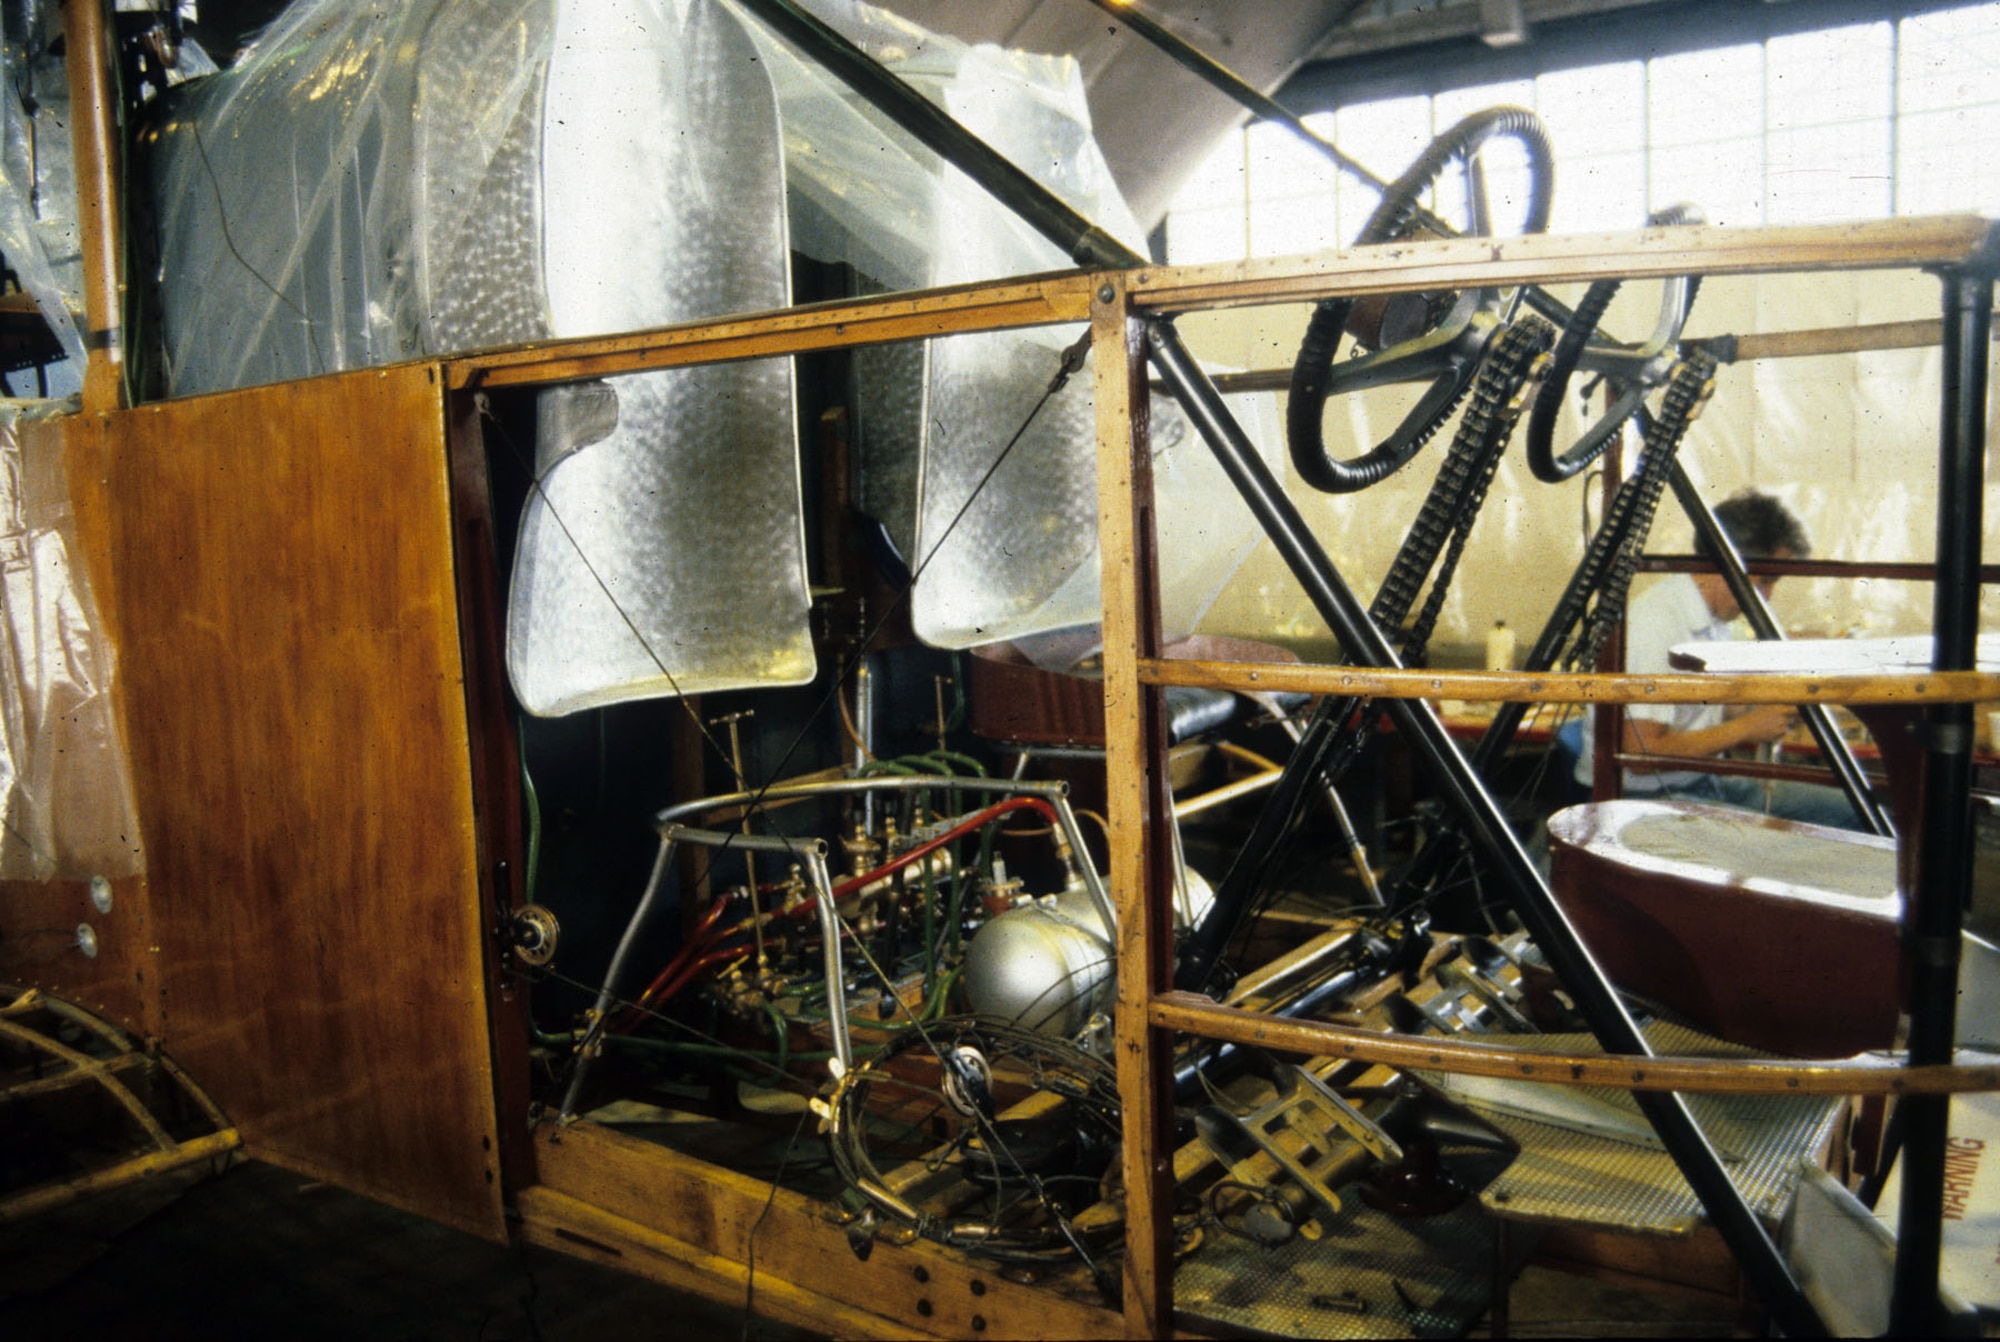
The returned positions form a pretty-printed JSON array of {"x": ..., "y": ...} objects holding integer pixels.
[
  {"x": 289, "y": 647},
  {"x": 38, "y": 948},
  {"x": 711, "y": 1221}
]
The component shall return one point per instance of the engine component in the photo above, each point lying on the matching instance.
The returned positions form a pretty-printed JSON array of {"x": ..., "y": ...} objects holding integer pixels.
[
  {"x": 1048, "y": 964},
  {"x": 897, "y": 1132},
  {"x": 532, "y": 933}
]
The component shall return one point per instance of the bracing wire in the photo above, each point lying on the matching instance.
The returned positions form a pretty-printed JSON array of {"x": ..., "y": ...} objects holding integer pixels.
[{"x": 1071, "y": 361}]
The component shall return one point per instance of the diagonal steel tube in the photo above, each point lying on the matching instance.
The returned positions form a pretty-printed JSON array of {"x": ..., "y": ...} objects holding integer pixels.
[
  {"x": 1344, "y": 614},
  {"x": 1933, "y": 917},
  {"x": 1833, "y": 747}
]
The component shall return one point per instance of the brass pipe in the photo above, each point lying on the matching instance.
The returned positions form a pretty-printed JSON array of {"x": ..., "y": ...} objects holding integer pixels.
[
  {"x": 1228, "y": 792},
  {"x": 94, "y": 121}
]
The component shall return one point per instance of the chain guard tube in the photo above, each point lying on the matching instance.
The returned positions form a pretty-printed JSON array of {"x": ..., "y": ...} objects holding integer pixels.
[
  {"x": 1644, "y": 368},
  {"x": 1313, "y": 375}
]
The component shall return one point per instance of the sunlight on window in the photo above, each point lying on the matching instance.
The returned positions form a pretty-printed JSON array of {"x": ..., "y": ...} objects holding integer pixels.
[
  {"x": 1448, "y": 109},
  {"x": 1819, "y": 174},
  {"x": 1292, "y": 183},
  {"x": 1861, "y": 121},
  {"x": 1597, "y": 117},
  {"x": 1948, "y": 101},
  {"x": 1840, "y": 74}
]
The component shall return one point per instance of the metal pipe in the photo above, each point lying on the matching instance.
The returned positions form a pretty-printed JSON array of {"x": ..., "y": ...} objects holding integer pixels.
[
  {"x": 1055, "y": 794},
  {"x": 1932, "y": 918},
  {"x": 836, "y": 977},
  {"x": 594, "y": 1034},
  {"x": 1833, "y": 747},
  {"x": 1357, "y": 852},
  {"x": 93, "y": 100}
]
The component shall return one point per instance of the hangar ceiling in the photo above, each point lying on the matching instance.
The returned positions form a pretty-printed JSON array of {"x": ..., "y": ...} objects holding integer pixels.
[{"x": 1156, "y": 122}]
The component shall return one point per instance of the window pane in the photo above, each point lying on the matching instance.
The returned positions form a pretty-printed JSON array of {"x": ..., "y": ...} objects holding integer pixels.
[
  {"x": 1353, "y": 204},
  {"x": 1301, "y": 224},
  {"x": 1282, "y": 164},
  {"x": 1950, "y": 58},
  {"x": 1602, "y": 194},
  {"x": 1385, "y": 136},
  {"x": 1504, "y": 161},
  {"x": 1724, "y": 177},
  {"x": 1949, "y": 161},
  {"x": 1842, "y": 74},
  {"x": 1218, "y": 179},
  {"x": 1826, "y": 173},
  {"x": 1194, "y": 236},
  {"x": 1599, "y": 109},
  {"x": 1706, "y": 95},
  {"x": 1447, "y": 109}
]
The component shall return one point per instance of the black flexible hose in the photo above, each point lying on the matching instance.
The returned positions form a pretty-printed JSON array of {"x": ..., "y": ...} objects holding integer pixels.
[
  {"x": 1577, "y": 331},
  {"x": 1312, "y": 370}
]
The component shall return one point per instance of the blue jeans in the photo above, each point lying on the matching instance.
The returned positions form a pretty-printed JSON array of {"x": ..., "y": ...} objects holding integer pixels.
[{"x": 1813, "y": 803}]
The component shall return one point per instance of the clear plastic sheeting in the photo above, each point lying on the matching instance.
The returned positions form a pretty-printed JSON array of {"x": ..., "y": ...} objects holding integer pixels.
[
  {"x": 360, "y": 188},
  {"x": 382, "y": 182},
  {"x": 663, "y": 551},
  {"x": 38, "y": 223},
  {"x": 66, "y": 810},
  {"x": 1022, "y": 557}
]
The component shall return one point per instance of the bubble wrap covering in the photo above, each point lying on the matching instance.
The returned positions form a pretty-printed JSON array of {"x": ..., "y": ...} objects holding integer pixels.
[
  {"x": 382, "y": 182},
  {"x": 66, "y": 810},
  {"x": 1022, "y": 559},
  {"x": 670, "y": 557},
  {"x": 38, "y": 225}
]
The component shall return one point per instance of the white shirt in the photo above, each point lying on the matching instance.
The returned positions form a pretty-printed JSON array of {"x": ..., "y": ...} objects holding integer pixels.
[{"x": 1668, "y": 613}]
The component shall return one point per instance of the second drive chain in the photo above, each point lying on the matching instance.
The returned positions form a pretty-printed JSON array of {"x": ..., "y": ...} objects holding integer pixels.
[
  {"x": 1688, "y": 389},
  {"x": 1505, "y": 384}
]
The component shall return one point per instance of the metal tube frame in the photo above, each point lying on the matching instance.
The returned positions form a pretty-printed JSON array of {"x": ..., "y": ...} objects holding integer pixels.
[{"x": 1932, "y": 919}]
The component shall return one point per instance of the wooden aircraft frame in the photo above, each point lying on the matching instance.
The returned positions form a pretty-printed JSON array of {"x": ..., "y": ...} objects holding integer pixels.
[{"x": 301, "y": 585}]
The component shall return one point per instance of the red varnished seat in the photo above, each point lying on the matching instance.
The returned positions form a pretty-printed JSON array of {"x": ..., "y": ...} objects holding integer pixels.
[{"x": 1777, "y": 935}]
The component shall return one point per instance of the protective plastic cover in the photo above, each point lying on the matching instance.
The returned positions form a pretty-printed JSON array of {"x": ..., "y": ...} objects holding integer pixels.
[
  {"x": 66, "y": 810},
  {"x": 669, "y": 557},
  {"x": 376, "y": 183},
  {"x": 38, "y": 228},
  {"x": 1017, "y": 554}
]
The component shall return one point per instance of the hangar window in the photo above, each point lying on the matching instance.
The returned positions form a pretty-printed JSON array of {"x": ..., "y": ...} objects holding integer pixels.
[{"x": 1858, "y": 121}]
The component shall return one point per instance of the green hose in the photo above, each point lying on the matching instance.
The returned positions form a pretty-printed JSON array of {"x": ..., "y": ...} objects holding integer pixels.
[
  {"x": 534, "y": 805},
  {"x": 960, "y": 762},
  {"x": 892, "y": 767}
]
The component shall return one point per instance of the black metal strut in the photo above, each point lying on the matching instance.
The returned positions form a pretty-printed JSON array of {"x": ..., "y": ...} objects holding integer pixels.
[
  {"x": 1596, "y": 1000},
  {"x": 1334, "y": 733}
]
